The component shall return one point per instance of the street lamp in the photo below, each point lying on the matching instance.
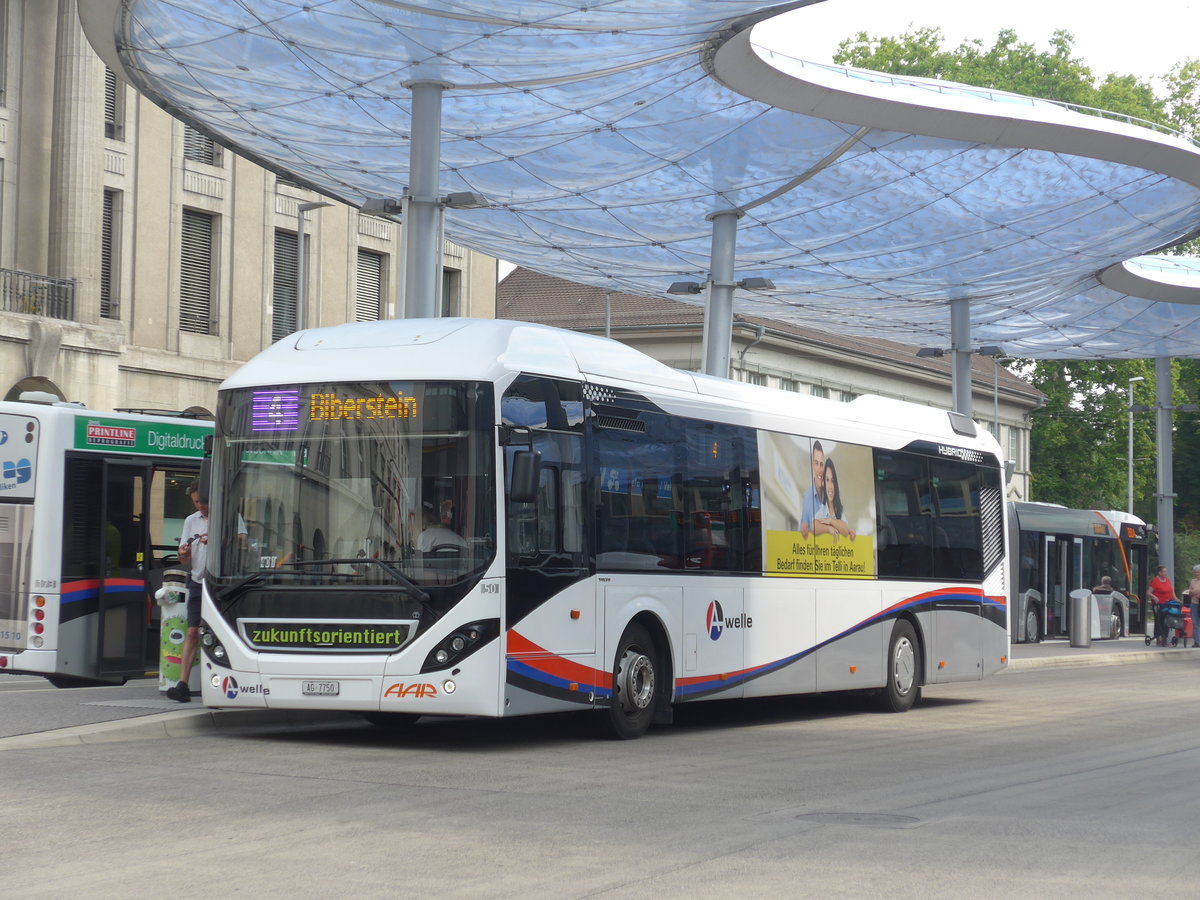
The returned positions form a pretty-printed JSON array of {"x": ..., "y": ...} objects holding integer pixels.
[
  {"x": 301, "y": 209},
  {"x": 1129, "y": 458}
]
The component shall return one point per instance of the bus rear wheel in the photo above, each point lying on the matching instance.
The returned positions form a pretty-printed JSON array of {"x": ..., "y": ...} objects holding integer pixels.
[
  {"x": 636, "y": 686},
  {"x": 903, "y": 669}
]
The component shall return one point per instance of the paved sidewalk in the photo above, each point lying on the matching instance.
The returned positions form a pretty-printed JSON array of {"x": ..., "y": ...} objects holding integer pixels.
[{"x": 1058, "y": 654}]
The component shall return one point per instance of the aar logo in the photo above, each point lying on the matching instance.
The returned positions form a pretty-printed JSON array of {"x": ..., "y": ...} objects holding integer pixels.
[
  {"x": 715, "y": 620},
  {"x": 229, "y": 687},
  {"x": 410, "y": 690}
]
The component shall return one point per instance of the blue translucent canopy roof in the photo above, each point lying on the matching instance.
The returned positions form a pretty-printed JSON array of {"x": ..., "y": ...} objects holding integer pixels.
[{"x": 604, "y": 133}]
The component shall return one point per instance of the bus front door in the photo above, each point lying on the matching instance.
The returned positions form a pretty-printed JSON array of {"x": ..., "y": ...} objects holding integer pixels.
[
  {"x": 1063, "y": 571},
  {"x": 124, "y": 598}
]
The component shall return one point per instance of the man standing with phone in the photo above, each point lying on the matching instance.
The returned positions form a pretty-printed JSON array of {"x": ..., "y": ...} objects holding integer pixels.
[{"x": 193, "y": 552}]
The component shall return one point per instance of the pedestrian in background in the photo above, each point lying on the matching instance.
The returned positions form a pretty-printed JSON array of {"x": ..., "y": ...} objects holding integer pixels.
[
  {"x": 1194, "y": 602},
  {"x": 1163, "y": 593}
]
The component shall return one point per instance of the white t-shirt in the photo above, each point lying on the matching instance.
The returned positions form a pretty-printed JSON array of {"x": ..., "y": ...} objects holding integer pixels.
[{"x": 195, "y": 526}]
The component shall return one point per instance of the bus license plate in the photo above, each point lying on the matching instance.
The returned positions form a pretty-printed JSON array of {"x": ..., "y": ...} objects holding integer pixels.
[{"x": 320, "y": 688}]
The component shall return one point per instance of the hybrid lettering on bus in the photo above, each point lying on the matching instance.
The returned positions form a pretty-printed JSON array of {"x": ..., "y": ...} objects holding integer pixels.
[{"x": 538, "y": 520}]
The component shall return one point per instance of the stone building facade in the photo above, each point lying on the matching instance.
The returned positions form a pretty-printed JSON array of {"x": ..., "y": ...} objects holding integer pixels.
[{"x": 140, "y": 263}]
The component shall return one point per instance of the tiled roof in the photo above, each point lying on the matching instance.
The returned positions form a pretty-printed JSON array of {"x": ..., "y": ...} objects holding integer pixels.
[{"x": 529, "y": 296}]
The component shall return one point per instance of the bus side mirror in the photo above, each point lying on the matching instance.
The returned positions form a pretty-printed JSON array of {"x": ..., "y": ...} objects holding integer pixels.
[{"x": 526, "y": 472}]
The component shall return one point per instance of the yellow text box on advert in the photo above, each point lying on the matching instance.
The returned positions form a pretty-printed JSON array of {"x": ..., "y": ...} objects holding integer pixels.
[{"x": 791, "y": 553}]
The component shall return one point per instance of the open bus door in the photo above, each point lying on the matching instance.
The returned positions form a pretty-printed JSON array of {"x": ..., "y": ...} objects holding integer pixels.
[
  {"x": 121, "y": 525},
  {"x": 1063, "y": 571},
  {"x": 123, "y": 603}
]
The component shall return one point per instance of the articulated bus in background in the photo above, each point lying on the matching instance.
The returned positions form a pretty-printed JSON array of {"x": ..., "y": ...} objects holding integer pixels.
[
  {"x": 91, "y": 508},
  {"x": 471, "y": 517},
  {"x": 1060, "y": 550}
]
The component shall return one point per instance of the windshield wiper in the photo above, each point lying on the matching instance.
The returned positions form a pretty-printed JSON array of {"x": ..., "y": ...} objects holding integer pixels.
[
  {"x": 264, "y": 574},
  {"x": 404, "y": 581}
]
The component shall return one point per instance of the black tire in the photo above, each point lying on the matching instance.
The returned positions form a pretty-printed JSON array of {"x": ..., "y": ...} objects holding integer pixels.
[
  {"x": 903, "y": 665},
  {"x": 637, "y": 685},
  {"x": 1033, "y": 624},
  {"x": 391, "y": 721}
]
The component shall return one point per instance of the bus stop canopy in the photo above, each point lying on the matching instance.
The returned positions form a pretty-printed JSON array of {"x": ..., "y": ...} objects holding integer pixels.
[{"x": 605, "y": 135}]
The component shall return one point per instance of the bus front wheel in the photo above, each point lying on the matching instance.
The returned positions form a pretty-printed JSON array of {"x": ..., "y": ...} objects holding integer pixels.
[
  {"x": 1033, "y": 625},
  {"x": 636, "y": 686},
  {"x": 903, "y": 669}
]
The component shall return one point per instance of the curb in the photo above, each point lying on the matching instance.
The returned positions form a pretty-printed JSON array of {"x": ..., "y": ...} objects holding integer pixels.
[
  {"x": 1098, "y": 659},
  {"x": 181, "y": 723}
]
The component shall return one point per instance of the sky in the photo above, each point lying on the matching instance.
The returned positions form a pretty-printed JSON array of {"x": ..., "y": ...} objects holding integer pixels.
[{"x": 1109, "y": 37}]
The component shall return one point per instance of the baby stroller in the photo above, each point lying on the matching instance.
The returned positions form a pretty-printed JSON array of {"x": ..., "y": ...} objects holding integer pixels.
[{"x": 1172, "y": 624}]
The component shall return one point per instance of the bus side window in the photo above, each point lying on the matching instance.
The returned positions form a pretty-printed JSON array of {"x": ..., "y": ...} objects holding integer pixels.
[{"x": 903, "y": 507}]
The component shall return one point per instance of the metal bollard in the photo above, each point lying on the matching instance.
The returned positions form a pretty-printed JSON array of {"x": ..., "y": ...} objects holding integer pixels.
[{"x": 1080, "y": 621}]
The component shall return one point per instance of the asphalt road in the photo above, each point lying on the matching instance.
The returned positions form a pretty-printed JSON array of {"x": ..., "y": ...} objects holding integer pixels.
[{"x": 1070, "y": 782}]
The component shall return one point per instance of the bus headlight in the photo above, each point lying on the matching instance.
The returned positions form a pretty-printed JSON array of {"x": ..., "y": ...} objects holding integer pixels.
[
  {"x": 460, "y": 644},
  {"x": 213, "y": 649}
]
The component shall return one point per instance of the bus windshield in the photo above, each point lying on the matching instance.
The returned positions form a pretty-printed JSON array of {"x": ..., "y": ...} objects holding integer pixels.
[{"x": 352, "y": 484}]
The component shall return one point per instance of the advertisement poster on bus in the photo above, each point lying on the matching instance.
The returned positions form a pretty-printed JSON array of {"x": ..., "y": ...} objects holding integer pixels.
[{"x": 818, "y": 507}]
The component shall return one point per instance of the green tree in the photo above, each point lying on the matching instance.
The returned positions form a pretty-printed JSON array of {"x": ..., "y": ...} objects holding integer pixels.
[{"x": 1078, "y": 448}]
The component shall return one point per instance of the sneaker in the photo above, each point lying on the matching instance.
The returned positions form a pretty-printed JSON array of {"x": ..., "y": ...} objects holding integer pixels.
[{"x": 180, "y": 692}]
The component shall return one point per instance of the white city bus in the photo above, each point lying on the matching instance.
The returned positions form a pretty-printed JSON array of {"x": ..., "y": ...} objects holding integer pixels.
[
  {"x": 91, "y": 509},
  {"x": 472, "y": 517}
]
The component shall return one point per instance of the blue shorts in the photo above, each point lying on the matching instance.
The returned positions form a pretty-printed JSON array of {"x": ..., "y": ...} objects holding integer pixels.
[{"x": 193, "y": 603}]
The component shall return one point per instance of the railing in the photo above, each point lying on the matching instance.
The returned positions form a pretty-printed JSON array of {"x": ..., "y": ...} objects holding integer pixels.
[{"x": 37, "y": 295}]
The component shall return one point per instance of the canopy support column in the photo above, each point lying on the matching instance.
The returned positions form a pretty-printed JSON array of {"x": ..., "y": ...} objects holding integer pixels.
[
  {"x": 960, "y": 346},
  {"x": 1166, "y": 478},
  {"x": 421, "y": 219},
  {"x": 718, "y": 316}
]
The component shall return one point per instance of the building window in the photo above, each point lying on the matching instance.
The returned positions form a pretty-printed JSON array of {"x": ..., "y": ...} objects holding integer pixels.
[
  {"x": 284, "y": 285},
  {"x": 451, "y": 282},
  {"x": 1014, "y": 445},
  {"x": 199, "y": 147},
  {"x": 847, "y": 396},
  {"x": 196, "y": 273},
  {"x": 819, "y": 390},
  {"x": 755, "y": 378},
  {"x": 110, "y": 305},
  {"x": 368, "y": 296},
  {"x": 789, "y": 384},
  {"x": 114, "y": 107}
]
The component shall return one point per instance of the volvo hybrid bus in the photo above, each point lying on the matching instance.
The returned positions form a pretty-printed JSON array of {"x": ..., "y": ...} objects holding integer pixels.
[
  {"x": 458, "y": 517},
  {"x": 91, "y": 509},
  {"x": 1059, "y": 550}
]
